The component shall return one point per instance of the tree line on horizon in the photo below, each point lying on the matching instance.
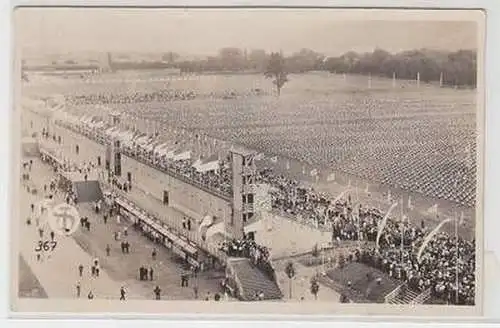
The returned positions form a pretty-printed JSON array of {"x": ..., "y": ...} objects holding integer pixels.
[
  {"x": 457, "y": 69},
  {"x": 454, "y": 69}
]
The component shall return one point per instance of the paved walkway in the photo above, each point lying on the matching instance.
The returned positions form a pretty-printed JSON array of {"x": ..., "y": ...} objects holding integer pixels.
[
  {"x": 123, "y": 268},
  {"x": 57, "y": 270},
  {"x": 301, "y": 284},
  {"x": 138, "y": 194}
]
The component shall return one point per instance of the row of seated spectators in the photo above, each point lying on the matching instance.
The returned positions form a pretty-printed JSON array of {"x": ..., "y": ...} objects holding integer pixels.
[{"x": 217, "y": 180}]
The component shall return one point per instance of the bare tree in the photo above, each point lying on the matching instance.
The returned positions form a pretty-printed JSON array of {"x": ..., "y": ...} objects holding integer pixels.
[
  {"x": 276, "y": 69},
  {"x": 170, "y": 57}
]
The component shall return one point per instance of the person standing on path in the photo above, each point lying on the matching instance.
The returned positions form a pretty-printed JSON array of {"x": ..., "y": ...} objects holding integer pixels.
[
  {"x": 80, "y": 269},
  {"x": 108, "y": 250},
  {"x": 157, "y": 292},
  {"x": 153, "y": 254},
  {"x": 78, "y": 289},
  {"x": 90, "y": 296},
  {"x": 52, "y": 235},
  {"x": 195, "y": 290},
  {"x": 151, "y": 274},
  {"x": 122, "y": 293}
]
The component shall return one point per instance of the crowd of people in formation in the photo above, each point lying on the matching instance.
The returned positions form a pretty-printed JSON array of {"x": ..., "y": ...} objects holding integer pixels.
[
  {"x": 291, "y": 198},
  {"x": 378, "y": 138},
  {"x": 130, "y": 98}
]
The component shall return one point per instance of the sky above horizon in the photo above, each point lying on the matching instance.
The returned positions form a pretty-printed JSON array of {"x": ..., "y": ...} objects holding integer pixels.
[{"x": 204, "y": 31}]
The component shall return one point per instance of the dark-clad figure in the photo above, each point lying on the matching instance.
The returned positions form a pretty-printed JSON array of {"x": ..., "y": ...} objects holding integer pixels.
[
  {"x": 122, "y": 293},
  {"x": 157, "y": 292}
]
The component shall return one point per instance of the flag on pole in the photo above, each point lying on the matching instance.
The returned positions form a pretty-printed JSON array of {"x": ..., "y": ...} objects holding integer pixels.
[
  {"x": 410, "y": 205},
  {"x": 433, "y": 210},
  {"x": 429, "y": 237},
  {"x": 340, "y": 196},
  {"x": 383, "y": 223}
]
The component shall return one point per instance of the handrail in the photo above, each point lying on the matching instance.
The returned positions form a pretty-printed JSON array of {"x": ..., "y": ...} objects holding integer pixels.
[
  {"x": 392, "y": 295},
  {"x": 422, "y": 297}
]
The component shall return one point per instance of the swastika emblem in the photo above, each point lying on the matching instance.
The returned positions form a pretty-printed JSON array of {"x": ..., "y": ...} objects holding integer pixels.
[{"x": 64, "y": 219}]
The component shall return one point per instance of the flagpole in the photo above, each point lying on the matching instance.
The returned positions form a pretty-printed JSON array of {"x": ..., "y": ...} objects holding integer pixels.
[
  {"x": 358, "y": 218},
  {"x": 457, "y": 254},
  {"x": 402, "y": 230}
]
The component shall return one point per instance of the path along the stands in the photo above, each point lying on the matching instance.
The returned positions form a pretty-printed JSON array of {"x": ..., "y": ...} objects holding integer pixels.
[{"x": 58, "y": 270}]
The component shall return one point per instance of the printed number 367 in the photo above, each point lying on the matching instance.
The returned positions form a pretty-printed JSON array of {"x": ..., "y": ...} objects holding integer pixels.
[{"x": 46, "y": 246}]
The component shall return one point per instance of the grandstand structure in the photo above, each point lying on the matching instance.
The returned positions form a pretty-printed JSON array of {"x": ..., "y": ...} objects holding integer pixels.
[
  {"x": 229, "y": 218},
  {"x": 227, "y": 210}
]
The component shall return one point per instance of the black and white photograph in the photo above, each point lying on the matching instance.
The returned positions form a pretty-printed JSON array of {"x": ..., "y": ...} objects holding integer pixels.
[{"x": 324, "y": 158}]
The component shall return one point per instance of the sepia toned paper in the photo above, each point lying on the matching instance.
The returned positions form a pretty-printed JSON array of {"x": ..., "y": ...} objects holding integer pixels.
[{"x": 258, "y": 161}]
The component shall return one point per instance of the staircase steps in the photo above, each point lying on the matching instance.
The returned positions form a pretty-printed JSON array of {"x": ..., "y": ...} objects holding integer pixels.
[
  {"x": 405, "y": 296},
  {"x": 253, "y": 281}
]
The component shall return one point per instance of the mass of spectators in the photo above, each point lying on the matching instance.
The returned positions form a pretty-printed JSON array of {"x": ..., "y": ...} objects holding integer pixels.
[
  {"x": 288, "y": 196},
  {"x": 437, "y": 270},
  {"x": 259, "y": 255}
]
